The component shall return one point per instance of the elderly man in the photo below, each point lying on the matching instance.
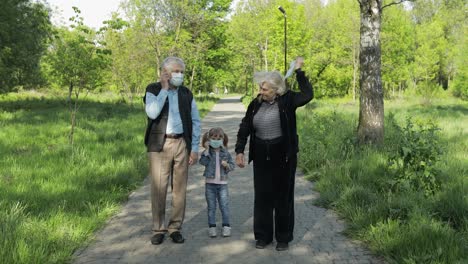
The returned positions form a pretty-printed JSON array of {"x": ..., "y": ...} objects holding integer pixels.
[{"x": 172, "y": 139}]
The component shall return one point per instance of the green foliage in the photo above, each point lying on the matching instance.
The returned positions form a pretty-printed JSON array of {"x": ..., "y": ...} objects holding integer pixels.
[
  {"x": 416, "y": 158},
  {"x": 398, "y": 41},
  {"x": 131, "y": 68},
  {"x": 24, "y": 33},
  {"x": 192, "y": 30},
  {"x": 76, "y": 60},
  {"x": 440, "y": 49},
  {"x": 460, "y": 87},
  {"x": 423, "y": 47},
  {"x": 334, "y": 47}
]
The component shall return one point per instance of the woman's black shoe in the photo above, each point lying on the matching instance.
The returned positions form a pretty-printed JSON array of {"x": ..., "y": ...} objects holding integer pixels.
[
  {"x": 261, "y": 244},
  {"x": 282, "y": 246}
]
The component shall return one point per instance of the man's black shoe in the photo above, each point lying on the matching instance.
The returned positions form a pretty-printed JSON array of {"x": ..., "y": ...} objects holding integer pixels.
[
  {"x": 177, "y": 237},
  {"x": 157, "y": 239},
  {"x": 282, "y": 246},
  {"x": 261, "y": 244}
]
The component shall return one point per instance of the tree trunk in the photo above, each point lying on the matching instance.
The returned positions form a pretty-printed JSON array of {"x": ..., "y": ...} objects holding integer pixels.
[
  {"x": 72, "y": 128},
  {"x": 191, "y": 77},
  {"x": 266, "y": 54},
  {"x": 371, "y": 108},
  {"x": 355, "y": 68},
  {"x": 253, "y": 72},
  {"x": 70, "y": 90},
  {"x": 73, "y": 111}
]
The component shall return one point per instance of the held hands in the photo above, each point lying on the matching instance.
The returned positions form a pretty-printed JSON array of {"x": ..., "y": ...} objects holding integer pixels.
[
  {"x": 193, "y": 158},
  {"x": 240, "y": 160}
]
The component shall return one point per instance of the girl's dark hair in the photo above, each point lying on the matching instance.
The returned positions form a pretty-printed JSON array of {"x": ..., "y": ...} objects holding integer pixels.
[{"x": 215, "y": 131}]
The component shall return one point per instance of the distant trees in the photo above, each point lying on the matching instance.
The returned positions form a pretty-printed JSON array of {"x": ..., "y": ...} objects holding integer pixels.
[
  {"x": 423, "y": 44},
  {"x": 440, "y": 52},
  {"x": 24, "y": 32},
  {"x": 192, "y": 30},
  {"x": 131, "y": 67}
]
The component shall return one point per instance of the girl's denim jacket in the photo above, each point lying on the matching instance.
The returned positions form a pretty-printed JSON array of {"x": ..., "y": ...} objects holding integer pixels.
[{"x": 209, "y": 161}]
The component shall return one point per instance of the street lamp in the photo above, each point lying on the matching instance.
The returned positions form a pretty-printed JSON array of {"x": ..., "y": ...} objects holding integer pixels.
[{"x": 281, "y": 9}]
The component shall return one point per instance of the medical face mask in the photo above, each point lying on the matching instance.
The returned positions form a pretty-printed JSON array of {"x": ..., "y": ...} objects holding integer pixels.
[
  {"x": 177, "y": 79},
  {"x": 216, "y": 143}
]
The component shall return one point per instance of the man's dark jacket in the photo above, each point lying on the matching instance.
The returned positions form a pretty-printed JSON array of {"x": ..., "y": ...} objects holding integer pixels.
[
  {"x": 287, "y": 104},
  {"x": 156, "y": 128}
]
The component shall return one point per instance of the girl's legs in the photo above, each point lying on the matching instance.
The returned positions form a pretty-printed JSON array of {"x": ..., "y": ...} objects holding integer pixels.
[
  {"x": 223, "y": 199},
  {"x": 210, "y": 195}
]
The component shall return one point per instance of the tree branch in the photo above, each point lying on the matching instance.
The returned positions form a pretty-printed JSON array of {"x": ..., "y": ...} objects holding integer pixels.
[{"x": 394, "y": 3}]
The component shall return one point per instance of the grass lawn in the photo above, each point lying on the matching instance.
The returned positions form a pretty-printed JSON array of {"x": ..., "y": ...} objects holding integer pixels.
[{"x": 53, "y": 197}]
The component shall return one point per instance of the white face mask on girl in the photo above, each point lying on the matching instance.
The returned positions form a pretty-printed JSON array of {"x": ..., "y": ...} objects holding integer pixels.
[{"x": 177, "y": 79}]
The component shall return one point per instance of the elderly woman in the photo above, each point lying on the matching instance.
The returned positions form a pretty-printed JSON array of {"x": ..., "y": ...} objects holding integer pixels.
[{"x": 270, "y": 121}]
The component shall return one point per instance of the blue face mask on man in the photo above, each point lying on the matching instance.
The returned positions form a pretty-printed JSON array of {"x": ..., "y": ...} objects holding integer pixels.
[{"x": 216, "y": 143}]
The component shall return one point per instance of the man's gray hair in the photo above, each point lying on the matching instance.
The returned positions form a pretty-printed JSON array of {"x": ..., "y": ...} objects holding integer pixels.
[
  {"x": 173, "y": 60},
  {"x": 274, "y": 78}
]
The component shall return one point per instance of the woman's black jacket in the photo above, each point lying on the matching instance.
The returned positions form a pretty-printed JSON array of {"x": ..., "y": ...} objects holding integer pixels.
[{"x": 287, "y": 104}]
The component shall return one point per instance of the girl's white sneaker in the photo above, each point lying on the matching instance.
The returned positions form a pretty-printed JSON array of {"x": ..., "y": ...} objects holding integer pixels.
[
  {"x": 212, "y": 231},
  {"x": 226, "y": 231}
]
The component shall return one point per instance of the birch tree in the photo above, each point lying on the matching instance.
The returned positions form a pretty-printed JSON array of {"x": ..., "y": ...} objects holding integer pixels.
[{"x": 371, "y": 108}]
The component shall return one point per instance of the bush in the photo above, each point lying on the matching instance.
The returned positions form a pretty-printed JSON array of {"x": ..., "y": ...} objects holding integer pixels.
[{"x": 414, "y": 163}]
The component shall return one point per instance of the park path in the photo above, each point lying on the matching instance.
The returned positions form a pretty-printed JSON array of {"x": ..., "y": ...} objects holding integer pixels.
[{"x": 318, "y": 234}]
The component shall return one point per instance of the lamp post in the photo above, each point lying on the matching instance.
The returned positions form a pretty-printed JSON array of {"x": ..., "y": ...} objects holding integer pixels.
[{"x": 281, "y": 9}]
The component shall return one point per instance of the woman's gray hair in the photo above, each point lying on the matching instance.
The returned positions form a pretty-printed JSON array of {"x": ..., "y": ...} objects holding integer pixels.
[
  {"x": 274, "y": 78},
  {"x": 173, "y": 60}
]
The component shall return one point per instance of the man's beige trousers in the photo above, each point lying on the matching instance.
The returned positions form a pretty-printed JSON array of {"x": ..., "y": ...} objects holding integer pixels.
[{"x": 173, "y": 158}]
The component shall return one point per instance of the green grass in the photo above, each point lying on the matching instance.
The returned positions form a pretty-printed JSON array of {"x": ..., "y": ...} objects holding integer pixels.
[
  {"x": 53, "y": 197},
  {"x": 402, "y": 224}
]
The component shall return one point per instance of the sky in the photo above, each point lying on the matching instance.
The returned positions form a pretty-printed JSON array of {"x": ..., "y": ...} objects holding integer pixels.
[{"x": 92, "y": 11}]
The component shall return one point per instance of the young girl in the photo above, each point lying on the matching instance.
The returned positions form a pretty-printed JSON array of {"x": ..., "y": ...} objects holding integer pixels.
[{"x": 218, "y": 163}]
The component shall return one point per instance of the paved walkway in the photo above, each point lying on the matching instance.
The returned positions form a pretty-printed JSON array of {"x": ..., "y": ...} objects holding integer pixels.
[{"x": 317, "y": 234}]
